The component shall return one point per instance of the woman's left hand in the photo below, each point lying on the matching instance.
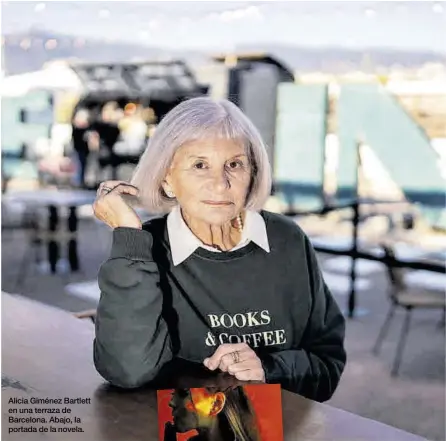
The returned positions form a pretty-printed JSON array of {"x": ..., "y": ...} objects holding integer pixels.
[{"x": 246, "y": 366}]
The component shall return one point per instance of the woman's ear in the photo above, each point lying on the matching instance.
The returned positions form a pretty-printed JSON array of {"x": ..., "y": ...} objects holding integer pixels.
[
  {"x": 165, "y": 184},
  {"x": 219, "y": 403}
]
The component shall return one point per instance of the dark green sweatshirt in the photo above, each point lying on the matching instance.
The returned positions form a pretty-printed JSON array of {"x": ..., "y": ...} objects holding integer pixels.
[{"x": 151, "y": 311}]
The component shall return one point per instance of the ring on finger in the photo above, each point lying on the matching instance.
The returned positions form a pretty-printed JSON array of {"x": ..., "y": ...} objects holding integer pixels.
[
  {"x": 235, "y": 356},
  {"x": 106, "y": 190}
]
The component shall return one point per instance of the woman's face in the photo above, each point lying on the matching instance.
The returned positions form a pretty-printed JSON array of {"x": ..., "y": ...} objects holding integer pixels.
[
  {"x": 210, "y": 179},
  {"x": 194, "y": 408}
]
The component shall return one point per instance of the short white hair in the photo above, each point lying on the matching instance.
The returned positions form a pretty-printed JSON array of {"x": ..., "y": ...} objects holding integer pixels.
[{"x": 198, "y": 119}]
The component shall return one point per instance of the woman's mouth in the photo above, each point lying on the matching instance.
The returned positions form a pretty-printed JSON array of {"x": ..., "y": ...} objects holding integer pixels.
[{"x": 218, "y": 203}]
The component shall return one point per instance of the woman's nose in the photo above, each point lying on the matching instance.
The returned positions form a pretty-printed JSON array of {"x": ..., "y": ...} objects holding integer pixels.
[{"x": 220, "y": 181}]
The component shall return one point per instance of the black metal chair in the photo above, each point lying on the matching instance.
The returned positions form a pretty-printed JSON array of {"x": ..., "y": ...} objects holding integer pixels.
[
  {"x": 407, "y": 298},
  {"x": 27, "y": 223}
]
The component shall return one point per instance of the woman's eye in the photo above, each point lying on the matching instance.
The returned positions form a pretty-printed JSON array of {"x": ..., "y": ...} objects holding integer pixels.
[
  {"x": 235, "y": 164},
  {"x": 199, "y": 165}
]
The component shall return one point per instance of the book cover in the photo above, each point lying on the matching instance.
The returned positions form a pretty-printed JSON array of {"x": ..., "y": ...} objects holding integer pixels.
[{"x": 252, "y": 412}]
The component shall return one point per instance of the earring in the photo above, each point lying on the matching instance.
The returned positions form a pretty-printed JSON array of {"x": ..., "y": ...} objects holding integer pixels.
[{"x": 170, "y": 194}]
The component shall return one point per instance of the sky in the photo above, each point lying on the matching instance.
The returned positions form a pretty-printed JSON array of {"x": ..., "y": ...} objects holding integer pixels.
[{"x": 419, "y": 25}]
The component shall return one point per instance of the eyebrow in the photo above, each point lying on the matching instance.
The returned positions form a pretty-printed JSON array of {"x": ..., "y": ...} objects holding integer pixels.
[{"x": 205, "y": 157}]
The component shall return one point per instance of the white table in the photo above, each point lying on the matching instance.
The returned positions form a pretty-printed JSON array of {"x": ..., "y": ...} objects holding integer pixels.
[
  {"x": 49, "y": 197},
  {"x": 53, "y": 201}
]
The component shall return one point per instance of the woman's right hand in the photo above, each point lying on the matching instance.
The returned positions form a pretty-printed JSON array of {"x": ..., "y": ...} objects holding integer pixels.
[{"x": 112, "y": 209}]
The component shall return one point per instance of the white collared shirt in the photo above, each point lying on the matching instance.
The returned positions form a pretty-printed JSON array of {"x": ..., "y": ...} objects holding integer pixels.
[{"x": 183, "y": 242}]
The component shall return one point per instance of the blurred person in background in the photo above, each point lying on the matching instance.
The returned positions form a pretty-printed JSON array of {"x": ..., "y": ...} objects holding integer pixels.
[
  {"x": 80, "y": 139},
  {"x": 149, "y": 116},
  {"x": 133, "y": 132},
  {"x": 108, "y": 131},
  {"x": 215, "y": 279}
]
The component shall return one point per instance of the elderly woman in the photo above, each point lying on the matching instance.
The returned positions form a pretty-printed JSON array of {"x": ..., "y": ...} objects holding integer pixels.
[{"x": 215, "y": 279}]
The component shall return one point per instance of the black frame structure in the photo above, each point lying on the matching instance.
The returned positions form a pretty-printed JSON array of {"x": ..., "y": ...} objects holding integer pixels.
[{"x": 389, "y": 261}]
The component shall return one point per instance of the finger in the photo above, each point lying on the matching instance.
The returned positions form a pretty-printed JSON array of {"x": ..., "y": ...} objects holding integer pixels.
[
  {"x": 226, "y": 348},
  {"x": 250, "y": 375},
  {"x": 111, "y": 184},
  {"x": 115, "y": 183},
  {"x": 100, "y": 189},
  {"x": 101, "y": 186},
  {"x": 228, "y": 359},
  {"x": 250, "y": 364},
  {"x": 126, "y": 184},
  {"x": 123, "y": 188},
  {"x": 214, "y": 361},
  {"x": 105, "y": 187}
]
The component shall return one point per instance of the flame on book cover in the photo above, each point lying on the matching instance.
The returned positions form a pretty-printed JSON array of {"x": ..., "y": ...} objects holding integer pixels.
[{"x": 243, "y": 413}]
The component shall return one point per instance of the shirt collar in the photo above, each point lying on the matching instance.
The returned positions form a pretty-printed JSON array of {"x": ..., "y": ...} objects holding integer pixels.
[{"x": 183, "y": 242}]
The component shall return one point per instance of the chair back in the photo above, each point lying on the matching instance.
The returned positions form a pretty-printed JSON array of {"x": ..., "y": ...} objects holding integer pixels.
[{"x": 395, "y": 274}]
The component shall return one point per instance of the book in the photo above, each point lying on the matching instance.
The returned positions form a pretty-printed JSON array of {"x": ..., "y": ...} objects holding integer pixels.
[{"x": 249, "y": 412}]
